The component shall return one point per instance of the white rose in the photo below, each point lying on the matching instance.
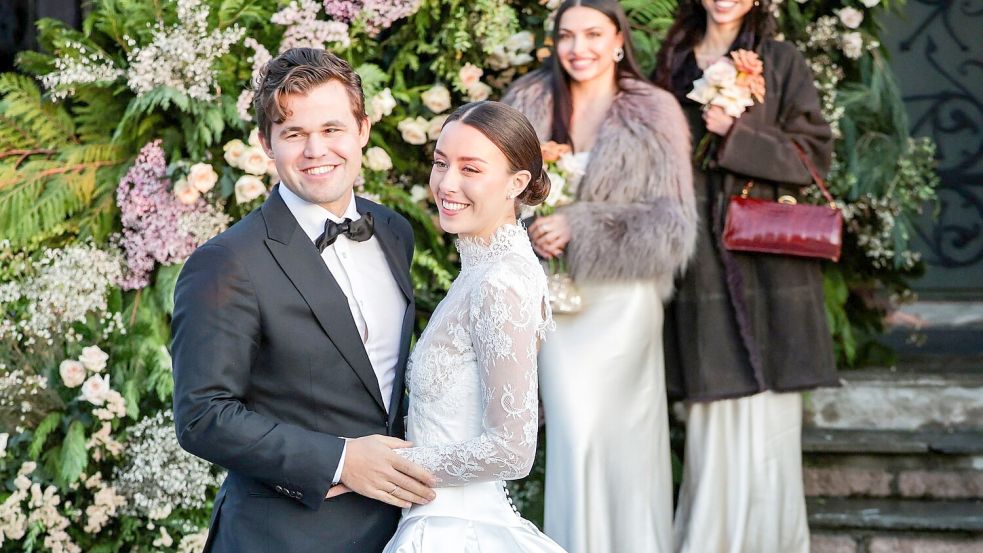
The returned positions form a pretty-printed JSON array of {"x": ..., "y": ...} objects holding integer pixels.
[
  {"x": 414, "y": 130},
  {"x": 254, "y": 138},
  {"x": 523, "y": 41},
  {"x": 3, "y": 444},
  {"x": 381, "y": 105},
  {"x": 419, "y": 193},
  {"x": 702, "y": 91},
  {"x": 720, "y": 73},
  {"x": 851, "y": 17},
  {"x": 497, "y": 59},
  {"x": 202, "y": 176},
  {"x": 734, "y": 100},
  {"x": 469, "y": 75},
  {"x": 437, "y": 99},
  {"x": 94, "y": 358},
  {"x": 573, "y": 166},
  {"x": 233, "y": 151},
  {"x": 248, "y": 188},
  {"x": 437, "y": 123},
  {"x": 520, "y": 59},
  {"x": 557, "y": 183},
  {"x": 870, "y": 3},
  {"x": 377, "y": 159},
  {"x": 185, "y": 193},
  {"x": 72, "y": 373},
  {"x": 254, "y": 161},
  {"x": 94, "y": 389},
  {"x": 479, "y": 92},
  {"x": 852, "y": 44}
]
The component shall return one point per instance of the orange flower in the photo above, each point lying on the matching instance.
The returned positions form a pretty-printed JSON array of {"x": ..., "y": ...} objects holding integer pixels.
[
  {"x": 552, "y": 151},
  {"x": 750, "y": 69}
]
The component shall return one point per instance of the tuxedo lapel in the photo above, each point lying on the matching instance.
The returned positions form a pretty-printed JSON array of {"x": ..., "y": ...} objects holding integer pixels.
[
  {"x": 299, "y": 259},
  {"x": 394, "y": 248}
]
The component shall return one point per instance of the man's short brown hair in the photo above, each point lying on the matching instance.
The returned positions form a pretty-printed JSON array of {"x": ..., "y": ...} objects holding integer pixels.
[{"x": 298, "y": 71}]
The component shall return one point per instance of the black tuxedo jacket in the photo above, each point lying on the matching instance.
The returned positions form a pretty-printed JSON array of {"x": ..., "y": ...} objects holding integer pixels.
[{"x": 270, "y": 373}]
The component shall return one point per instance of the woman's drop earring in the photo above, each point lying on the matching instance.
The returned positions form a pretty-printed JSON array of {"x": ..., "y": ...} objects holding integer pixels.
[{"x": 619, "y": 54}]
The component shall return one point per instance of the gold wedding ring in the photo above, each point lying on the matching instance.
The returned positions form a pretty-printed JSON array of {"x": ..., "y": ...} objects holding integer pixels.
[{"x": 394, "y": 490}]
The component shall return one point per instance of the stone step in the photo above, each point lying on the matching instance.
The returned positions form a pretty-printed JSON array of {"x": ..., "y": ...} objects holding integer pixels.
[
  {"x": 824, "y": 440},
  {"x": 866, "y": 542},
  {"x": 903, "y": 398},
  {"x": 963, "y": 516}
]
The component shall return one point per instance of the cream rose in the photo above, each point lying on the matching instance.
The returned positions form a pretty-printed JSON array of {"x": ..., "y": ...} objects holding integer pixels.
[
  {"x": 254, "y": 161},
  {"x": 519, "y": 59},
  {"x": 414, "y": 130},
  {"x": 852, "y": 44},
  {"x": 202, "y": 176},
  {"x": 523, "y": 41},
  {"x": 469, "y": 75},
  {"x": 419, "y": 193},
  {"x": 185, "y": 193},
  {"x": 381, "y": 105},
  {"x": 437, "y": 99},
  {"x": 851, "y": 17},
  {"x": 720, "y": 73},
  {"x": 254, "y": 138},
  {"x": 95, "y": 389},
  {"x": 248, "y": 188},
  {"x": 437, "y": 123},
  {"x": 377, "y": 159},
  {"x": 233, "y": 151},
  {"x": 497, "y": 59},
  {"x": 72, "y": 373},
  {"x": 3, "y": 444},
  {"x": 479, "y": 92}
]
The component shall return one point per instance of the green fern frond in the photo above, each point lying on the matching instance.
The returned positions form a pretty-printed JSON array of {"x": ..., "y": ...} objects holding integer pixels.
[{"x": 50, "y": 123}]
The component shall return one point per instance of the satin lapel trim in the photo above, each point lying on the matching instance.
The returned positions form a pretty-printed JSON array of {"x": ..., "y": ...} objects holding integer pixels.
[{"x": 308, "y": 273}]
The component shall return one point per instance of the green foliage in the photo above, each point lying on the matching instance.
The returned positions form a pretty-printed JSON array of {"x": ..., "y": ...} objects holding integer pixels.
[
  {"x": 41, "y": 433},
  {"x": 74, "y": 456}
]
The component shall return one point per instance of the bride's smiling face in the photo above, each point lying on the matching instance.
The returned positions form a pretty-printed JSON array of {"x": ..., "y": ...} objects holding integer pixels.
[{"x": 471, "y": 182}]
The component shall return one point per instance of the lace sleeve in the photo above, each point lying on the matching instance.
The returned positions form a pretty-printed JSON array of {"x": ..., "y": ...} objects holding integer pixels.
[{"x": 507, "y": 317}]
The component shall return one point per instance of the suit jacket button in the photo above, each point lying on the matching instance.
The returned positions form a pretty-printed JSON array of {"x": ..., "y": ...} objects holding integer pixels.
[{"x": 278, "y": 488}]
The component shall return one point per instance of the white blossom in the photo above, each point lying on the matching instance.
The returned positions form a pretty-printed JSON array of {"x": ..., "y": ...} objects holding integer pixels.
[
  {"x": 381, "y": 105},
  {"x": 248, "y": 188},
  {"x": 850, "y": 17},
  {"x": 414, "y": 130},
  {"x": 93, "y": 358},
  {"x": 377, "y": 159},
  {"x": 437, "y": 98}
]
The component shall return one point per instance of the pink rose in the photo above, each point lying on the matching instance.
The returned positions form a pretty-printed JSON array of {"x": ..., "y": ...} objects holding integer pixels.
[
  {"x": 94, "y": 358},
  {"x": 185, "y": 192},
  {"x": 95, "y": 389},
  {"x": 72, "y": 373}
]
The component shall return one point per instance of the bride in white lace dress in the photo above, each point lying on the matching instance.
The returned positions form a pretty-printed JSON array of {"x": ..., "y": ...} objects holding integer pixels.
[{"x": 473, "y": 415}]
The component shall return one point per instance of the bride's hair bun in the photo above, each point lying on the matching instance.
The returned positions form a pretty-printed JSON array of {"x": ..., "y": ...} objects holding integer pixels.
[
  {"x": 537, "y": 191},
  {"x": 512, "y": 133}
]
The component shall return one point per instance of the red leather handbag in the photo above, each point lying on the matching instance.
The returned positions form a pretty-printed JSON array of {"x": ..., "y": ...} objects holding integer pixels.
[{"x": 785, "y": 227}]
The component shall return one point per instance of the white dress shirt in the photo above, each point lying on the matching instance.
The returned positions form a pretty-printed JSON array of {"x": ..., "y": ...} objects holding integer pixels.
[{"x": 374, "y": 298}]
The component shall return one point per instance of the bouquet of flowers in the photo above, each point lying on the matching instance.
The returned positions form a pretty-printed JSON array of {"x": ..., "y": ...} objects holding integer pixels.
[
  {"x": 732, "y": 84},
  {"x": 565, "y": 170}
]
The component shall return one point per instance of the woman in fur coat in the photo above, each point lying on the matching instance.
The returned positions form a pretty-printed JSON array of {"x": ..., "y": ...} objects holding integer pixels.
[
  {"x": 631, "y": 228},
  {"x": 745, "y": 332}
]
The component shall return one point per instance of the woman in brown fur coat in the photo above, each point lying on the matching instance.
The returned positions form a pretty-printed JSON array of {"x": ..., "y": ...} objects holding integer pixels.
[
  {"x": 631, "y": 228},
  {"x": 745, "y": 332}
]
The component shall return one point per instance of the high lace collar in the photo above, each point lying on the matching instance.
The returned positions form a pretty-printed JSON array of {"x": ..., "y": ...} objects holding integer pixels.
[{"x": 506, "y": 239}]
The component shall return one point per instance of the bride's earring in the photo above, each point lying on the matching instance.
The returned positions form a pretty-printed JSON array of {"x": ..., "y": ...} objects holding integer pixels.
[{"x": 619, "y": 54}]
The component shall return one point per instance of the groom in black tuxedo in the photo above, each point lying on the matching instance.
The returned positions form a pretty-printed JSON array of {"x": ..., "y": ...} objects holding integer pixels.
[{"x": 291, "y": 333}]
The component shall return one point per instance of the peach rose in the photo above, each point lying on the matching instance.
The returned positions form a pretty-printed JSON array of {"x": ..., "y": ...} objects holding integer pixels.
[
  {"x": 552, "y": 151},
  {"x": 233, "y": 151},
  {"x": 248, "y": 188},
  {"x": 185, "y": 193},
  {"x": 437, "y": 99},
  {"x": 202, "y": 176},
  {"x": 254, "y": 161},
  {"x": 469, "y": 75}
]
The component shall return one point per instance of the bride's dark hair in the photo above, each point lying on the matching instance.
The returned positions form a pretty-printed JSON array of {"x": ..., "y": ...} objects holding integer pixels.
[
  {"x": 512, "y": 133},
  {"x": 689, "y": 27}
]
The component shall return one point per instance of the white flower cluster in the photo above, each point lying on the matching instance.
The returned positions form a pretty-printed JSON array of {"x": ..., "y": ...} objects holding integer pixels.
[
  {"x": 158, "y": 476},
  {"x": 203, "y": 225},
  {"x": 69, "y": 284},
  {"x": 872, "y": 220},
  {"x": 380, "y": 105},
  {"x": 828, "y": 75},
  {"x": 78, "y": 65},
  {"x": 102, "y": 441},
  {"x": 42, "y": 510},
  {"x": 19, "y": 396},
  {"x": 305, "y": 30},
  {"x": 181, "y": 56},
  {"x": 105, "y": 504},
  {"x": 259, "y": 60},
  {"x": 514, "y": 52},
  {"x": 377, "y": 159},
  {"x": 193, "y": 543}
]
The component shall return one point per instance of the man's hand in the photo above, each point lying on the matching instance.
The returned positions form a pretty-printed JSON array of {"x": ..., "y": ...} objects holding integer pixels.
[{"x": 374, "y": 470}]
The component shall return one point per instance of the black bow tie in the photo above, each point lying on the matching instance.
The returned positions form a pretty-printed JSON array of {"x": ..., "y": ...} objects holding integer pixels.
[{"x": 359, "y": 231}]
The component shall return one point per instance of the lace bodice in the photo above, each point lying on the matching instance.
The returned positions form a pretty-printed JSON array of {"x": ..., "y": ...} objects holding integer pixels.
[{"x": 472, "y": 378}]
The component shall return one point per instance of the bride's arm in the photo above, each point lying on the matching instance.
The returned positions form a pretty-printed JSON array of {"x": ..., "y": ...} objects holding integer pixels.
[{"x": 506, "y": 320}]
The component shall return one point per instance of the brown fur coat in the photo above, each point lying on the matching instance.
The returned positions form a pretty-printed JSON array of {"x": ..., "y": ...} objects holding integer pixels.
[{"x": 635, "y": 216}]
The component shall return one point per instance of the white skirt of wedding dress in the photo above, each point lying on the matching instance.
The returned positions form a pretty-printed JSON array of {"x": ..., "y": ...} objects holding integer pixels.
[
  {"x": 608, "y": 470},
  {"x": 477, "y": 518}
]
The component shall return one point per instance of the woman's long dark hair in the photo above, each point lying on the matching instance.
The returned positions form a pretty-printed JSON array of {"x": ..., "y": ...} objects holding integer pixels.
[
  {"x": 690, "y": 26},
  {"x": 627, "y": 67}
]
